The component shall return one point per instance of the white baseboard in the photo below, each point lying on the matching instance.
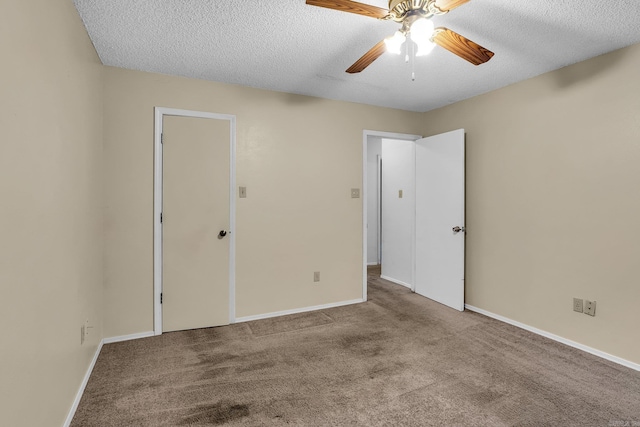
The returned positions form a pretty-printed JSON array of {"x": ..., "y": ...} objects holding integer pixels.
[
  {"x": 129, "y": 337},
  {"x": 397, "y": 282},
  {"x": 297, "y": 310},
  {"x": 83, "y": 385},
  {"x": 85, "y": 380},
  {"x": 595, "y": 352}
]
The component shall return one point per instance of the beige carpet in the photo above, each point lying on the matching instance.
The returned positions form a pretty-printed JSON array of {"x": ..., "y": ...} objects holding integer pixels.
[{"x": 398, "y": 359}]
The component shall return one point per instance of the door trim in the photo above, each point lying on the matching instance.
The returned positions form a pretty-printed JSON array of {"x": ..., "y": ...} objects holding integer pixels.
[
  {"x": 365, "y": 136},
  {"x": 379, "y": 209},
  {"x": 159, "y": 114}
]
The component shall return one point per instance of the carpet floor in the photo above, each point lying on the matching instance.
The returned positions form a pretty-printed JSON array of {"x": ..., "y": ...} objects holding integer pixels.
[{"x": 397, "y": 360}]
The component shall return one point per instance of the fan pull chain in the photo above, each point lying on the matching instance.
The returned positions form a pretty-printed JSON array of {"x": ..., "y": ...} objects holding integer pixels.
[
  {"x": 413, "y": 61},
  {"x": 413, "y": 65},
  {"x": 406, "y": 53}
]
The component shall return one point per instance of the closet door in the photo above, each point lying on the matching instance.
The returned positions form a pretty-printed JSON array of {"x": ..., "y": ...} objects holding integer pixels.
[{"x": 195, "y": 223}]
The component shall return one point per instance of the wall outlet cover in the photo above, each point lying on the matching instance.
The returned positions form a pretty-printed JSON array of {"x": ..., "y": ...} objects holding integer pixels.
[
  {"x": 355, "y": 193},
  {"x": 316, "y": 276},
  {"x": 590, "y": 307}
]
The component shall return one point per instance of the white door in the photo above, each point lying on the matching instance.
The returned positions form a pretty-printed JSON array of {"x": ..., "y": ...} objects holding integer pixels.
[
  {"x": 440, "y": 192},
  {"x": 195, "y": 262}
]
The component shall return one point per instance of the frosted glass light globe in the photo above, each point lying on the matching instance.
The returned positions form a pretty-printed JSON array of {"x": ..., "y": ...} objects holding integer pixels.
[
  {"x": 394, "y": 43},
  {"x": 421, "y": 32}
]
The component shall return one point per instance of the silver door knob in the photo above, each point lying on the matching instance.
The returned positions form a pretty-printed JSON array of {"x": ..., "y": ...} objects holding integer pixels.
[{"x": 457, "y": 229}]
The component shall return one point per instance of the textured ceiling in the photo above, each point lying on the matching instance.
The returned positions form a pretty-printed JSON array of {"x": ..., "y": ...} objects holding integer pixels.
[{"x": 288, "y": 46}]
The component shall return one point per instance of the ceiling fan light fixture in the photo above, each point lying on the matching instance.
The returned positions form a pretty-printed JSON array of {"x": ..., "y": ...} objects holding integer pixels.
[
  {"x": 422, "y": 29},
  {"x": 425, "y": 47},
  {"x": 394, "y": 43},
  {"x": 421, "y": 33}
]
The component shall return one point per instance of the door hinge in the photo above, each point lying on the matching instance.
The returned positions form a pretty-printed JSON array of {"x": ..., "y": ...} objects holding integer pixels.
[
  {"x": 160, "y": 297},
  {"x": 162, "y": 138},
  {"x": 160, "y": 217}
]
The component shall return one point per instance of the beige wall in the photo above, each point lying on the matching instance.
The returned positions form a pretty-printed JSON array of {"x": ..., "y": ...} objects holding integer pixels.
[
  {"x": 50, "y": 214},
  {"x": 552, "y": 199},
  {"x": 298, "y": 157}
]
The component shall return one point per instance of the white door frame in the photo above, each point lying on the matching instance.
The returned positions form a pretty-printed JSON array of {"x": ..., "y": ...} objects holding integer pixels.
[
  {"x": 379, "y": 209},
  {"x": 160, "y": 112},
  {"x": 365, "y": 136}
]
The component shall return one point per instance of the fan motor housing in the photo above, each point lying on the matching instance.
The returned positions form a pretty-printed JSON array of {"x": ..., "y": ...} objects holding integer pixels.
[{"x": 401, "y": 10}]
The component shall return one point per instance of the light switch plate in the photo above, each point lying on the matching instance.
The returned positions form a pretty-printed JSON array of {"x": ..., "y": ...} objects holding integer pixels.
[
  {"x": 400, "y": 194},
  {"x": 577, "y": 305},
  {"x": 355, "y": 193},
  {"x": 243, "y": 192}
]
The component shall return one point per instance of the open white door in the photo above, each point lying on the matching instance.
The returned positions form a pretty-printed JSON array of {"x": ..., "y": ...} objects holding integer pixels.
[{"x": 439, "y": 268}]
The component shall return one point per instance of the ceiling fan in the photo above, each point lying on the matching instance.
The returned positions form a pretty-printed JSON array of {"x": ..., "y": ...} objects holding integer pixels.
[{"x": 414, "y": 15}]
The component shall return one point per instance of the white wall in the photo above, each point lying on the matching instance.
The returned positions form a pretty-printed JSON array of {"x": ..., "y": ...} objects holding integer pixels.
[
  {"x": 374, "y": 149},
  {"x": 398, "y": 213}
]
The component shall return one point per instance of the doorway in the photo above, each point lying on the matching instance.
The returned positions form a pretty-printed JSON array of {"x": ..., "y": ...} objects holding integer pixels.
[
  {"x": 372, "y": 225},
  {"x": 194, "y": 220},
  {"x": 422, "y": 214}
]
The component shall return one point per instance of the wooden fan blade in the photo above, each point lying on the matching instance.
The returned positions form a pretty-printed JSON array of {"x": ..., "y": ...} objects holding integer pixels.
[
  {"x": 368, "y": 58},
  {"x": 447, "y": 5},
  {"x": 351, "y": 7},
  {"x": 461, "y": 46}
]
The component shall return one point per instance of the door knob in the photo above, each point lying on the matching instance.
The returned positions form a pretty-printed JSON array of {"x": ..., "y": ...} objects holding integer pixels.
[
  {"x": 457, "y": 229},
  {"x": 222, "y": 234}
]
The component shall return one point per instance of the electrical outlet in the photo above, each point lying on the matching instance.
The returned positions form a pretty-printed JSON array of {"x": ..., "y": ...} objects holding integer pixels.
[
  {"x": 355, "y": 193},
  {"x": 590, "y": 307},
  {"x": 577, "y": 305},
  {"x": 82, "y": 332},
  {"x": 316, "y": 276},
  {"x": 400, "y": 194}
]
